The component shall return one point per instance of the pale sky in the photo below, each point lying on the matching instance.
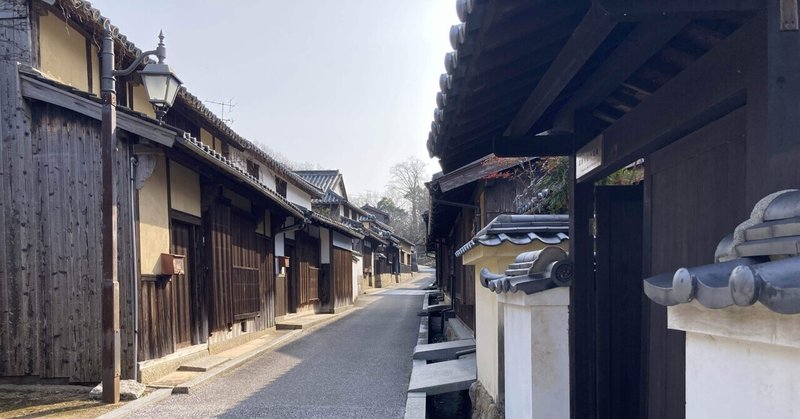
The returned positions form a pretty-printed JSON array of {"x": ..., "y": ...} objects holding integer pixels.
[{"x": 345, "y": 84}]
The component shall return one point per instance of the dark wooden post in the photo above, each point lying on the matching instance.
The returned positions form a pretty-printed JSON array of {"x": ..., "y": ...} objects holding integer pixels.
[
  {"x": 110, "y": 296},
  {"x": 581, "y": 310}
]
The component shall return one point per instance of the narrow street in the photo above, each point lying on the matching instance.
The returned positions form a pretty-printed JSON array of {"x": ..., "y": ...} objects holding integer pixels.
[{"x": 356, "y": 366}]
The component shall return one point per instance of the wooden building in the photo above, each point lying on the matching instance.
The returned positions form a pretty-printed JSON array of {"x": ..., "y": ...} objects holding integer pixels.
[
  {"x": 462, "y": 203},
  {"x": 335, "y": 204},
  {"x": 705, "y": 93},
  {"x": 216, "y": 239}
]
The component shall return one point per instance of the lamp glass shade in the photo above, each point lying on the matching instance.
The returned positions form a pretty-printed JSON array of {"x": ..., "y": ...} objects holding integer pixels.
[{"x": 161, "y": 84}]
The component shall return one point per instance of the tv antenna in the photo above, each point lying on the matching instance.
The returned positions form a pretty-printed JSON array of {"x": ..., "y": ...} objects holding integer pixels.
[{"x": 229, "y": 105}]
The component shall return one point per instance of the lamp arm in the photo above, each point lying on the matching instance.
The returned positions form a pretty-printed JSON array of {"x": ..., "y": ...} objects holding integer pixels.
[{"x": 135, "y": 63}]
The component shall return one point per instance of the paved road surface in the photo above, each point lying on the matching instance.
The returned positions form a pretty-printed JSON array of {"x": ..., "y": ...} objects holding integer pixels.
[{"x": 355, "y": 367}]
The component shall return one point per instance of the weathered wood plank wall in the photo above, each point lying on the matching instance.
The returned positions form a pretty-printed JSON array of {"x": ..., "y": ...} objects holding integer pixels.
[
  {"x": 307, "y": 249},
  {"x": 52, "y": 261},
  {"x": 218, "y": 247},
  {"x": 342, "y": 277},
  {"x": 266, "y": 270}
]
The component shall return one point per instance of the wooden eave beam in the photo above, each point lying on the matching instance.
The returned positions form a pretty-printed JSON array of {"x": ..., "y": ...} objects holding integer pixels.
[
  {"x": 687, "y": 102},
  {"x": 638, "y": 47},
  {"x": 39, "y": 90},
  {"x": 588, "y": 36},
  {"x": 636, "y": 10},
  {"x": 533, "y": 145}
]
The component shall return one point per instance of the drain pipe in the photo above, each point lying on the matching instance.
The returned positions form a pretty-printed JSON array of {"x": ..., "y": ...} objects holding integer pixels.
[{"x": 135, "y": 263}]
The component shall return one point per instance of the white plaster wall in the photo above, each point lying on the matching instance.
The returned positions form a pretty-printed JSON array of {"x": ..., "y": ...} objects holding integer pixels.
[
  {"x": 266, "y": 176},
  {"x": 279, "y": 248},
  {"x": 536, "y": 334},
  {"x": 734, "y": 378},
  {"x": 358, "y": 272},
  {"x": 296, "y": 196}
]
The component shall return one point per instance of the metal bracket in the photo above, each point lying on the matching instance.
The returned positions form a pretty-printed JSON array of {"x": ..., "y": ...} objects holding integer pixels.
[{"x": 789, "y": 19}]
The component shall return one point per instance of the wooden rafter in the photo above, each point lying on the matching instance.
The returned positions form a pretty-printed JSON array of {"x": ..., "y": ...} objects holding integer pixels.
[
  {"x": 588, "y": 36},
  {"x": 635, "y": 10},
  {"x": 631, "y": 54}
]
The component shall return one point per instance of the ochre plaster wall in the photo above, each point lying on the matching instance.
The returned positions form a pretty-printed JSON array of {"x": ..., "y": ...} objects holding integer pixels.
[
  {"x": 62, "y": 52},
  {"x": 184, "y": 189},
  {"x": 140, "y": 101},
  {"x": 488, "y": 313},
  {"x": 206, "y": 138},
  {"x": 154, "y": 219}
]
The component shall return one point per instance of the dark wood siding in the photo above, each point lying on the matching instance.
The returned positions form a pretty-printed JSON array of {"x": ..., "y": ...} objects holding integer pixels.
[
  {"x": 281, "y": 296},
  {"x": 266, "y": 279},
  {"x": 342, "y": 276},
  {"x": 695, "y": 190},
  {"x": 618, "y": 301},
  {"x": 305, "y": 270},
  {"x": 218, "y": 250},
  {"x": 50, "y": 259}
]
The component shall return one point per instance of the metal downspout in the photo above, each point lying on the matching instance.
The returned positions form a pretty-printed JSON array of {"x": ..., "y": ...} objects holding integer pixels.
[{"x": 135, "y": 263}]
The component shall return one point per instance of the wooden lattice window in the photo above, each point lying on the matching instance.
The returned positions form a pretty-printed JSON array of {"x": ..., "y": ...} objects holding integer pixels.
[
  {"x": 253, "y": 169},
  {"x": 280, "y": 187},
  {"x": 245, "y": 267}
]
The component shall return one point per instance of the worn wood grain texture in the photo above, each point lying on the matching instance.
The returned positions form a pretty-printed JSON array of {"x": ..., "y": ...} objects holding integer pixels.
[{"x": 342, "y": 277}]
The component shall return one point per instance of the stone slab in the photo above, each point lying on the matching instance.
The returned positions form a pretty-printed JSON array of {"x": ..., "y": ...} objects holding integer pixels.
[
  {"x": 443, "y": 350},
  {"x": 415, "y": 406},
  {"x": 303, "y": 322},
  {"x": 437, "y": 308},
  {"x": 444, "y": 377},
  {"x": 455, "y": 329},
  {"x": 203, "y": 364},
  {"x": 128, "y": 390}
]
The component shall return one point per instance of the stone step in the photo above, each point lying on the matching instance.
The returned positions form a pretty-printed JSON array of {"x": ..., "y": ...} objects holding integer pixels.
[
  {"x": 203, "y": 364},
  {"x": 444, "y": 377},
  {"x": 443, "y": 350}
]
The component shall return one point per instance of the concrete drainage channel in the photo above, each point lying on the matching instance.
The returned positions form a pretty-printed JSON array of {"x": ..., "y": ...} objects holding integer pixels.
[{"x": 442, "y": 370}]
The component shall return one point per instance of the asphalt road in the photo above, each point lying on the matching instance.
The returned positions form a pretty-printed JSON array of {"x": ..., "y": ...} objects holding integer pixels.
[{"x": 357, "y": 366}]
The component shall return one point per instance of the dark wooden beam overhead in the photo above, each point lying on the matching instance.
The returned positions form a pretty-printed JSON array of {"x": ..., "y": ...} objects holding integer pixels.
[
  {"x": 533, "y": 145},
  {"x": 635, "y": 10},
  {"x": 641, "y": 44},
  {"x": 588, "y": 36},
  {"x": 686, "y": 103}
]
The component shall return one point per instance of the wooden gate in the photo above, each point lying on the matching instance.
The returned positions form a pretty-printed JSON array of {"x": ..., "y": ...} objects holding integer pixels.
[
  {"x": 183, "y": 286},
  {"x": 618, "y": 302},
  {"x": 342, "y": 277}
]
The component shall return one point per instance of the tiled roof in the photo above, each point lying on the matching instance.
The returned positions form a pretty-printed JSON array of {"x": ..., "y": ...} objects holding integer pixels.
[
  {"x": 758, "y": 262},
  {"x": 196, "y": 146},
  {"x": 328, "y": 222},
  {"x": 330, "y": 198},
  {"x": 325, "y": 180},
  {"x": 197, "y": 106},
  {"x": 532, "y": 272},
  {"x": 520, "y": 230},
  {"x": 82, "y": 12}
]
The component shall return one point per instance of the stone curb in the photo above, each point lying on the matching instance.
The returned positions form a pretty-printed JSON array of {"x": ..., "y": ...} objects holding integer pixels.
[{"x": 137, "y": 404}]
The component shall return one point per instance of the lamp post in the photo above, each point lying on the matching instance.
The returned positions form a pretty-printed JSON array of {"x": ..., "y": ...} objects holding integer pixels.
[{"x": 162, "y": 86}]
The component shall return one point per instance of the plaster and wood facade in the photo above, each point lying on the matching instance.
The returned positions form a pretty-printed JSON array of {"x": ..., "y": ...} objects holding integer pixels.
[{"x": 216, "y": 240}]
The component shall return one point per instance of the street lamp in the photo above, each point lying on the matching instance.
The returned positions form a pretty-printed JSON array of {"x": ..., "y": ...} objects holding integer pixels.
[{"x": 162, "y": 86}]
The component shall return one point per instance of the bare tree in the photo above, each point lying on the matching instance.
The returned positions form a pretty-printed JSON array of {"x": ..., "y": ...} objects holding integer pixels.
[{"x": 407, "y": 185}]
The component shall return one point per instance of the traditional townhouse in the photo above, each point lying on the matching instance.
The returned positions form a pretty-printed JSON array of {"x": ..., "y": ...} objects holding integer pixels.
[{"x": 215, "y": 238}]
